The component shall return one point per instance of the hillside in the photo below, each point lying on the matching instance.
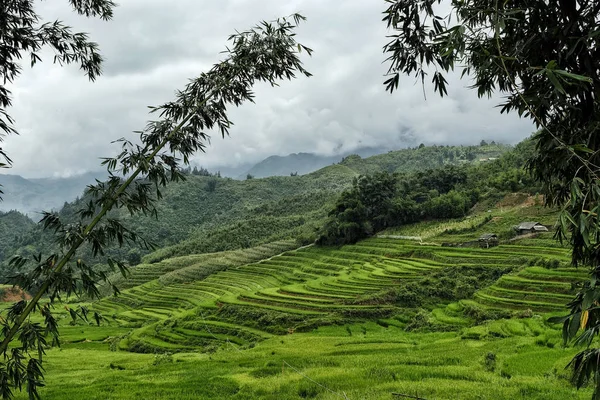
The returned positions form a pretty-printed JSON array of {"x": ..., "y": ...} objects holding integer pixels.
[
  {"x": 425, "y": 157},
  {"x": 14, "y": 232},
  {"x": 370, "y": 160},
  {"x": 31, "y": 196},
  {"x": 240, "y": 305},
  {"x": 210, "y": 214},
  {"x": 230, "y": 215},
  {"x": 301, "y": 163},
  {"x": 362, "y": 321}
]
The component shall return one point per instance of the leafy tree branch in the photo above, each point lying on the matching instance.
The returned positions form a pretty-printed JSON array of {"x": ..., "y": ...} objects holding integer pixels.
[
  {"x": 22, "y": 35},
  {"x": 544, "y": 57}
]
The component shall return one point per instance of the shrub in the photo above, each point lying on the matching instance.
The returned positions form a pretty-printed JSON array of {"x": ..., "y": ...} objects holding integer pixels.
[
  {"x": 137, "y": 346},
  {"x": 162, "y": 358},
  {"x": 420, "y": 321},
  {"x": 308, "y": 390},
  {"x": 489, "y": 362},
  {"x": 447, "y": 284},
  {"x": 211, "y": 185},
  {"x": 481, "y": 314},
  {"x": 524, "y": 313}
]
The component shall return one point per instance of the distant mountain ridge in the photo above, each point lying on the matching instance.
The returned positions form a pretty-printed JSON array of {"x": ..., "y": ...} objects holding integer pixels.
[
  {"x": 30, "y": 196},
  {"x": 302, "y": 163},
  {"x": 205, "y": 214}
]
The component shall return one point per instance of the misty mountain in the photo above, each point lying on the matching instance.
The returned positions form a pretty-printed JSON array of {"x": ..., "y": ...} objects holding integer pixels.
[
  {"x": 30, "y": 196},
  {"x": 232, "y": 172},
  {"x": 301, "y": 163},
  {"x": 205, "y": 214}
]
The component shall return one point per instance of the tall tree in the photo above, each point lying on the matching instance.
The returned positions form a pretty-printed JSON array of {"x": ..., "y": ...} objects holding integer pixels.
[
  {"x": 545, "y": 58},
  {"x": 266, "y": 53},
  {"x": 23, "y": 35}
]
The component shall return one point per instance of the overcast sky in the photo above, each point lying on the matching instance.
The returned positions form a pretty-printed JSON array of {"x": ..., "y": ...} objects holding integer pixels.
[{"x": 151, "y": 47}]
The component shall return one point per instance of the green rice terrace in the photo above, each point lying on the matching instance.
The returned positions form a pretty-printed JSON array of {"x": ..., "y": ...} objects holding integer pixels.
[{"x": 383, "y": 319}]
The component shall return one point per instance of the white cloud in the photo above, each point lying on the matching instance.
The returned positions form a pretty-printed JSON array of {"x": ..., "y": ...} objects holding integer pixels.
[{"x": 152, "y": 47}]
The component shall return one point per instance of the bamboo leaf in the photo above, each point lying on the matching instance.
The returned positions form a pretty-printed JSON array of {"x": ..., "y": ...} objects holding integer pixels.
[
  {"x": 573, "y": 76},
  {"x": 585, "y": 316}
]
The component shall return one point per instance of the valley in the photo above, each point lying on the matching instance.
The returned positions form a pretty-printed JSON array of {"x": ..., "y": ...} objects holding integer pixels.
[
  {"x": 239, "y": 300},
  {"x": 422, "y": 228},
  {"x": 368, "y": 320}
]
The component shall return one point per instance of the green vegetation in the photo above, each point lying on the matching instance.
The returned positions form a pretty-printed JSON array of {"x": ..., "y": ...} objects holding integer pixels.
[
  {"x": 185, "y": 305},
  {"x": 196, "y": 267},
  {"x": 382, "y": 200},
  {"x": 205, "y": 214},
  {"x": 421, "y": 310},
  {"x": 498, "y": 45},
  {"x": 266, "y": 53},
  {"x": 14, "y": 229},
  {"x": 373, "y": 362},
  {"x": 361, "y": 210},
  {"x": 367, "y": 320},
  {"x": 423, "y": 158}
]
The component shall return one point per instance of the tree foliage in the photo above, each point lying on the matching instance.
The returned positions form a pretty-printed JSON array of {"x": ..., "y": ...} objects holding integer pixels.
[
  {"x": 360, "y": 211},
  {"x": 23, "y": 35},
  {"x": 545, "y": 58},
  {"x": 383, "y": 200},
  {"x": 267, "y": 53}
]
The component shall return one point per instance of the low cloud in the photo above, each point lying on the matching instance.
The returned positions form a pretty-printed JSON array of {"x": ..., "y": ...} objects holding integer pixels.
[{"x": 153, "y": 46}]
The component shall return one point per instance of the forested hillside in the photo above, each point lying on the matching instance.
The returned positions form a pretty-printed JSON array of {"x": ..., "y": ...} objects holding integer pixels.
[
  {"x": 423, "y": 157},
  {"x": 15, "y": 231},
  {"x": 300, "y": 163},
  {"x": 381, "y": 199},
  {"x": 31, "y": 196},
  {"x": 207, "y": 213}
]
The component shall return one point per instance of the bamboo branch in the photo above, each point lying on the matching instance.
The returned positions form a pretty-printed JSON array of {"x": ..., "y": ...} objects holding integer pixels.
[{"x": 63, "y": 261}]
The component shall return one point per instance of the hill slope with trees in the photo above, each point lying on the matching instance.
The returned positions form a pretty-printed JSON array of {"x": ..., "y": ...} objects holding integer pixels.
[{"x": 207, "y": 213}]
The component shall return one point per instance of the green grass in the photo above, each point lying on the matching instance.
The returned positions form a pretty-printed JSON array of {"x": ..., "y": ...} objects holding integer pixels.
[
  {"x": 371, "y": 362},
  {"x": 499, "y": 220},
  {"x": 319, "y": 285}
]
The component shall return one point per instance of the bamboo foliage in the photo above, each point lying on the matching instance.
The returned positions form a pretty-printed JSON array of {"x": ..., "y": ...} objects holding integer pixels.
[{"x": 267, "y": 53}]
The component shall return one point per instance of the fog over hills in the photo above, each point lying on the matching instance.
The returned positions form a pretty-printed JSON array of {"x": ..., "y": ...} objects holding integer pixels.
[
  {"x": 31, "y": 196},
  {"x": 301, "y": 163}
]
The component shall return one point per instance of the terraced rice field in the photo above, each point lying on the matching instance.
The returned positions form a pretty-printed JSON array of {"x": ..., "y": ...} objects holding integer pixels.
[
  {"x": 291, "y": 324},
  {"x": 186, "y": 268},
  {"x": 222, "y": 299}
]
